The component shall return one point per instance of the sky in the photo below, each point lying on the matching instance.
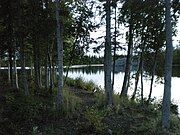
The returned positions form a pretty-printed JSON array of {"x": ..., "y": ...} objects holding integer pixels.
[{"x": 101, "y": 32}]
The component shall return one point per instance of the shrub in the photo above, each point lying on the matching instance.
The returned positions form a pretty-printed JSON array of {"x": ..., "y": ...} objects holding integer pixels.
[{"x": 95, "y": 118}]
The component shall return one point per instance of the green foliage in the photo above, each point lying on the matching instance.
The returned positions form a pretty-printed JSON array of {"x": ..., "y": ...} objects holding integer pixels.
[
  {"x": 100, "y": 98},
  {"x": 20, "y": 114},
  {"x": 71, "y": 103},
  {"x": 95, "y": 118},
  {"x": 175, "y": 125},
  {"x": 81, "y": 84},
  {"x": 176, "y": 57},
  {"x": 26, "y": 115}
]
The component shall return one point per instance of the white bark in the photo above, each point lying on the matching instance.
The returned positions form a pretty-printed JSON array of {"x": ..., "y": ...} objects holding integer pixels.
[
  {"x": 9, "y": 78},
  {"x": 60, "y": 55},
  {"x": 128, "y": 59},
  {"x": 168, "y": 69},
  {"x": 15, "y": 72},
  {"x": 108, "y": 57}
]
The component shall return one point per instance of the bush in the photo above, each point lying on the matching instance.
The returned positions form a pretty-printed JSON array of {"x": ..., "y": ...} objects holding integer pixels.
[
  {"x": 95, "y": 118},
  {"x": 71, "y": 103}
]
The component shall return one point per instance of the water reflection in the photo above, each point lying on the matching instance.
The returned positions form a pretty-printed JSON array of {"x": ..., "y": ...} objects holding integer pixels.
[
  {"x": 96, "y": 74},
  {"x": 87, "y": 70},
  {"x": 98, "y": 69}
]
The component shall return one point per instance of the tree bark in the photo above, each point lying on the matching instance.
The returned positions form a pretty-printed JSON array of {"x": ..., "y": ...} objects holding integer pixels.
[
  {"x": 50, "y": 72},
  {"x": 15, "y": 73},
  {"x": 168, "y": 68},
  {"x": 142, "y": 83},
  {"x": 9, "y": 74},
  {"x": 115, "y": 46},
  {"x": 36, "y": 72},
  {"x": 0, "y": 67},
  {"x": 136, "y": 80},
  {"x": 46, "y": 71},
  {"x": 128, "y": 59},
  {"x": 21, "y": 44},
  {"x": 31, "y": 67},
  {"x": 108, "y": 57},
  {"x": 11, "y": 66},
  {"x": 60, "y": 55},
  {"x": 152, "y": 78},
  {"x": 24, "y": 76}
]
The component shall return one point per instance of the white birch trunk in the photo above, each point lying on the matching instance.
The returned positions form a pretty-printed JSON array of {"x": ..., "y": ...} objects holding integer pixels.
[
  {"x": 9, "y": 76},
  {"x": 60, "y": 56},
  {"x": 15, "y": 72},
  {"x": 108, "y": 57},
  {"x": 168, "y": 68}
]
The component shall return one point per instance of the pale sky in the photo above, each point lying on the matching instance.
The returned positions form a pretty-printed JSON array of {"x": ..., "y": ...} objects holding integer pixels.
[{"x": 101, "y": 32}]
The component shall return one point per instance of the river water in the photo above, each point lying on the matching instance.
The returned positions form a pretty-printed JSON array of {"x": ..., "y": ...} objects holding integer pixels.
[{"x": 96, "y": 74}]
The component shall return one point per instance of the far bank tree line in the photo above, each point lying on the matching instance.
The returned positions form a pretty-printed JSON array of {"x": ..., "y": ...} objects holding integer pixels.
[{"x": 50, "y": 33}]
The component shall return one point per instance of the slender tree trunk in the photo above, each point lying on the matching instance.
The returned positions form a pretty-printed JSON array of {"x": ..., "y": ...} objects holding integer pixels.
[
  {"x": 24, "y": 76},
  {"x": 71, "y": 57},
  {"x": 39, "y": 66},
  {"x": 15, "y": 73},
  {"x": 136, "y": 80},
  {"x": 128, "y": 59},
  {"x": 9, "y": 74},
  {"x": 31, "y": 68},
  {"x": 36, "y": 69},
  {"x": 115, "y": 46},
  {"x": 50, "y": 73},
  {"x": 0, "y": 67},
  {"x": 142, "y": 83},
  {"x": 108, "y": 57},
  {"x": 21, "y": 44},
  {"x": 11, "y": 66},
  {"x": 46, "y": 72},
  {"x": 168, "y": 68},
  {"x": 152, "y": 78},
  {"x": 54, "y": 73},
  {"x": 60, "y": 55}
]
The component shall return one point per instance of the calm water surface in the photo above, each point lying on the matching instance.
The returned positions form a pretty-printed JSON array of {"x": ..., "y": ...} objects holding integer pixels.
[{"x": 96, "y": 74}]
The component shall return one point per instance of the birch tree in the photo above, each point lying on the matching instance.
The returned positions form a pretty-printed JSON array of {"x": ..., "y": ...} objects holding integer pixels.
[
  {"x": 60, "y": 55},
  {"x": 168, "y": 68},
  {"x": 108, "y": 57}
]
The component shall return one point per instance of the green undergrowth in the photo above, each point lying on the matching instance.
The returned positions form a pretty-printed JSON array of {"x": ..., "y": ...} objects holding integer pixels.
[
  {"x": 85, "y": 114},
  {"x": 81, "y": 84},
  {"x": 20, "y": 114}
]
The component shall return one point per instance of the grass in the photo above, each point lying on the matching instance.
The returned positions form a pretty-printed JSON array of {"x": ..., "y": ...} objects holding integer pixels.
[
  {"x": 81, "y": 84},
  {"x": 84, "y": 112}
]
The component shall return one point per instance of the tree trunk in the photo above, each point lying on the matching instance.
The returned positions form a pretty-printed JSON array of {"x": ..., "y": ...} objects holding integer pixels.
[
  {"x": 115, "y": 46},
  {"x": 108, "y": 57},
  {"x": 9, "y": 74},
  {"x": 128, "y": 59},
  {"x": 11, "y": 66},
  {"x": 46, "y": 71},
  {"x": 50, "y": 72},
  {"x": 136, "y": 80},
  {"x": 15, "y": 73},
  {"x": 39, "y": 65},
  {"x": 60, "y": 55},
  {"x": 21, "y": 44},
  {"x": 152, "y": 78},
  {"x": 24, "y": 76},
  {"x": 36, "y": 68},
  {"x": 31, "y": 68},
  {"x": 142, "y": 84},
  {"x": 168, "y": 68},
  {"x": 0, "y": 67}
]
